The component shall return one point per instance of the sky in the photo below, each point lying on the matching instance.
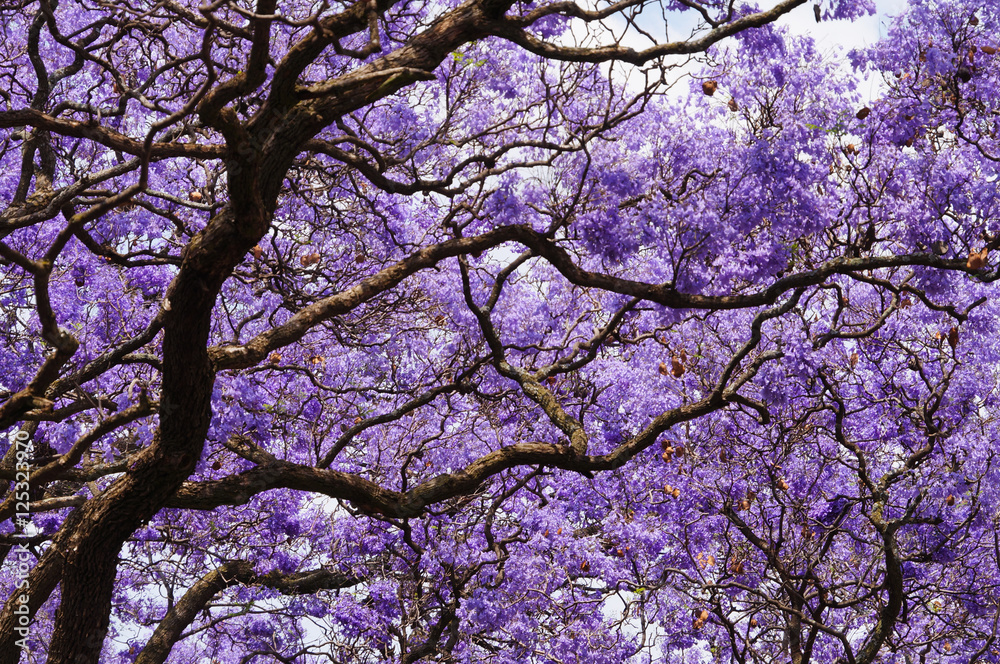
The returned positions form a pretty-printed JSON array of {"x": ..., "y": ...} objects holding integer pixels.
[{"x": 849, "y": 34}]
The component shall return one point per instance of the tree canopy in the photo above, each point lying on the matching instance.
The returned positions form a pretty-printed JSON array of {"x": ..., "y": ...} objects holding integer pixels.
[{"x": 497, "y": 331}]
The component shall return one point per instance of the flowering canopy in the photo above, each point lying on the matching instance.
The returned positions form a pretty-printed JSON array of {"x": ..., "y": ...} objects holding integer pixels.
[{"x": 482, "y": 330}]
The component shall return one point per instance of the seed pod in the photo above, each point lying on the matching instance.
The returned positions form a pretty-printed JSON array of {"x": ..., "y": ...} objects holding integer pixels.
[
  {"x": 753, "y": 622},
  {"x": 977, "y": 259},
  {"x": 964, "y": 74},
  {"x": 863, "y": 113},
  {"x": 664, "y": 369},
  {"x": 854, "y": 359},
  {"x": 258, "y": 251},
  {"x": 195, "y": 196},
  {"x": 359, "y": 259},
  {"x": 953, "y": 337},
  {"x": 973, "y": 20},
  {"x": 950, "y": 500},
  {"x": 676, "y": 368},
  {"x": 216, "y": 465},
  {"x": 988, "y": 50},
  {"x": 733, "y": 106},
  {"x": 783, "y": 485},
  {"x": 676, "y": 493},
  {"x": 709, "y": 87},
  {"x": 275, "y": 357}
]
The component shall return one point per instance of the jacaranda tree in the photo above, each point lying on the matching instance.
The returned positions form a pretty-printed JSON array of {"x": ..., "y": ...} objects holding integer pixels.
[{"x": 498, "y": 331}]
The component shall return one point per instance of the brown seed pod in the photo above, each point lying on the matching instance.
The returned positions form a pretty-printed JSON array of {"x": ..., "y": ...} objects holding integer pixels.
[
  {"x": 258, "y": 251},
  {"x": 676, "y": 368},
  {"x": 783, "y": 485},
  {"x": 977, "y": 259},
  {"x": 733, "y": 106},
  {"x": 676, "y": 493},
  {"x": 709, "y": 87},
  {"x": 854, "y": 359},
  {"x": 863, "y": 113},
  {"x": 953, "y": 337},
  {"x": 664, "y": 369},
  {"x": 275, "y": 357},
  {"x": 950, "y": 500},
  {"x": 195, "y": 196},
  {"x": 753, "y": 622},
  {"x": 988, "y": 50}
]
